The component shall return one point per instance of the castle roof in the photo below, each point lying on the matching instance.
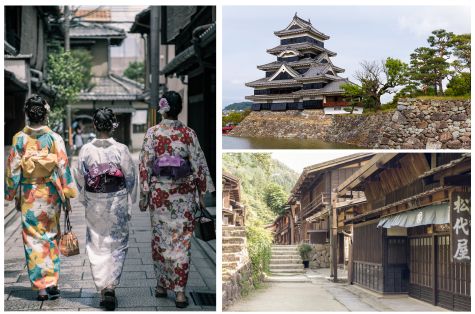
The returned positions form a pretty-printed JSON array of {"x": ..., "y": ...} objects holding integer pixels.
[
  {"x": 306, "y": 62},
  {"x": 299, "y": 25},
  {"x": 299, "y": 46}
]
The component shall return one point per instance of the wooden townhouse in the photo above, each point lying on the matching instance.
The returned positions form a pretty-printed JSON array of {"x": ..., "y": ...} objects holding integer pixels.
[
  {"x": 412, "y": 233},
  {"x": 233, "y": 211},
  {"x": 307, "y": 218}
]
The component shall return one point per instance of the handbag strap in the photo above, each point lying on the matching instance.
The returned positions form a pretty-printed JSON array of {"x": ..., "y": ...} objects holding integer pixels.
[{"x": 67, "y": 223}]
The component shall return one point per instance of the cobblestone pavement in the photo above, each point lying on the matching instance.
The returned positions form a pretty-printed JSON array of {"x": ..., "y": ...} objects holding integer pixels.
[{"x": 135, "y": 292}]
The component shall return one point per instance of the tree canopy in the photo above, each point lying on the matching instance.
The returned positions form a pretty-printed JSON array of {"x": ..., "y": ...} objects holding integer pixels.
[{"x": 135, "y": 71}]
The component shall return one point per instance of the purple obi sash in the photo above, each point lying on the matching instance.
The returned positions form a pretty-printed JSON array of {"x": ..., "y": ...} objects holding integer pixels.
[
  {"x": 174, "y": 167},
  {"x": 104, "y": 178}
]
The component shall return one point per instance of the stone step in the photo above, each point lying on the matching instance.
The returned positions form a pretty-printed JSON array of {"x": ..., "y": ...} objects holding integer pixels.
[
  {"x": 287, "y": 271},
  {"x": 234, "y": 240},
  {"x": 230, "y": 257},
  {"x": 229, "y": 265},
  {"x": 234, "y": 233},
  {"x": 285, "y": 246},
  {"x": 232, "y": 248},
  {"x": 233, "y": 228},
  {"x": 285, "y": 256},
  {"x": 288, "y": 278},
  {"x": 276, "y": 253},
  {"x": 285, "y": 261},
  {"x": 285, "y": 266}
]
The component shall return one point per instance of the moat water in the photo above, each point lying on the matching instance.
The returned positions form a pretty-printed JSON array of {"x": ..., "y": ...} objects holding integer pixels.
[{"x": 235, "y": 142}]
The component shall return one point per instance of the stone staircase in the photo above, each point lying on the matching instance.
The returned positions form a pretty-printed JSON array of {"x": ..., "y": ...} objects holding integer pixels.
[
  {"x": 285, "y": 261},
  {"x": 234, "y": 250}
]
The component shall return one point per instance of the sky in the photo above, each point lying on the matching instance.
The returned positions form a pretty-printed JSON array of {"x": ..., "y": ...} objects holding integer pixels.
[
  {"x": 299, "y": 159},
  {"x": 356, "y": 33}
]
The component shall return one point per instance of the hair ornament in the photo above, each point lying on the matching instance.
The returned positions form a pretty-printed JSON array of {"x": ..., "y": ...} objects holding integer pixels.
[{"x": 163, "y": 105}]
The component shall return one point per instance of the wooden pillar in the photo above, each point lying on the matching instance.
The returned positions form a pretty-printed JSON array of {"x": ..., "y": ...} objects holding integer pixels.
[
  {"x": 334, "y": 237},
  {"x": 350, "y": 257},
  {"x": 154, "y": 63}
]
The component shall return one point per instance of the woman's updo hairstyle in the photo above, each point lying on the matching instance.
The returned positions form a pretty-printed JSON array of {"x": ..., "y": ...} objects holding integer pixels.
[
  {"x": 36, "y": 109},
  {"x": 104, "y": 120},
  {"x": 175, "y": 102}
]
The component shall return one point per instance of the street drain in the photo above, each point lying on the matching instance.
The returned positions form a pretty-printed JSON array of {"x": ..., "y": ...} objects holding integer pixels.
[{"x": 204, "y": 299}]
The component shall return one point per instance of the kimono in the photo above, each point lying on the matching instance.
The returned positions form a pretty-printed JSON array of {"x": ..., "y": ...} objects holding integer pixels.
[
  {"x": 172, "y": 202},
  {"x": 38, "y": 162},
  {"x": 107, "y": 212}
]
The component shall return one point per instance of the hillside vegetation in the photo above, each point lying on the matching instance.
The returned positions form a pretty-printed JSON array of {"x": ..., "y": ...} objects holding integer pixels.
[
  {"x": 239, "y": 106},
  {"x": 266, "y": 184},
  {"x": 257, "y": 172}
]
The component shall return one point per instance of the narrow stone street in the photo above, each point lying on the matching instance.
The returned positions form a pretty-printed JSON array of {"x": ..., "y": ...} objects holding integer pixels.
[
  {"x": 313, "y": 291},
  {"x": 135, "y": 292}
]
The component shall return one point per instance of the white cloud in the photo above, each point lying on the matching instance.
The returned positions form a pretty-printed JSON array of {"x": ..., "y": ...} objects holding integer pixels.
[{"x": 424, "y": 20}]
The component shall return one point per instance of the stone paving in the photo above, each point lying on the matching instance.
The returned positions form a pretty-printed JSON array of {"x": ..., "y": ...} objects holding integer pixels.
[
  {"x": 135, "y": 292},
  {"x": 320, "y": 294}
]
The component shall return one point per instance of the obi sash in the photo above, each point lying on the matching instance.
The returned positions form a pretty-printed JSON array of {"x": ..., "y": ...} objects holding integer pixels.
[
  {"x": 104, "y": 178},
  {"x": 174, "y": 167}
]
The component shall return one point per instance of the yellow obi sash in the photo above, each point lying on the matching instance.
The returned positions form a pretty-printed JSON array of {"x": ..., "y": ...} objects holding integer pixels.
[{"x": 38, "y": 164}]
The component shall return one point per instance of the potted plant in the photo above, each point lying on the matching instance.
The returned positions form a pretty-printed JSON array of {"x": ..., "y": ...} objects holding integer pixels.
[{"x": 304, "y": 250}]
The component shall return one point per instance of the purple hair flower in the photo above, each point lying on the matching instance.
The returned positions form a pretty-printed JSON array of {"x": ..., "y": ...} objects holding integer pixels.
[{"x": 163, "y": 105}]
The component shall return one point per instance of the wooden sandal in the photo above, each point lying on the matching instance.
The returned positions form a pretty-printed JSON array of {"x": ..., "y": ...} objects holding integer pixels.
[{"x": 161, "y": 294}]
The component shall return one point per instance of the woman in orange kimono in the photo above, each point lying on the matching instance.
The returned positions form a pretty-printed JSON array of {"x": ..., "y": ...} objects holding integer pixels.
[{"x": 38, "y": 167}]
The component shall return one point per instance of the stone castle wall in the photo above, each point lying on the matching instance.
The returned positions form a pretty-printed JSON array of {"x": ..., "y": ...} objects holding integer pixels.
[
  {"x": 415, "y": 124},
  {"x": 430, "y": 124}
]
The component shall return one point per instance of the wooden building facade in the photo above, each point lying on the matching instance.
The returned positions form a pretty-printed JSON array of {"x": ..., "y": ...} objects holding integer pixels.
[
  {"x": 412, "y": 234},
  {"x": 307, "y": 218},
  {"x": 27, "y": 31},
  {"x": 233, "y": 211},
  {"x": 191, "y": 31}
]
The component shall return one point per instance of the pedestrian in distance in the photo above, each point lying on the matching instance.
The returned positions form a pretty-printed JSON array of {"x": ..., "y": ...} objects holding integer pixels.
[
  {"x": 107, "y": 182},
  {"x": 173, "y": 170},
  {"x": 38, "y": 174},
  {"x": 78, "y": 141}
]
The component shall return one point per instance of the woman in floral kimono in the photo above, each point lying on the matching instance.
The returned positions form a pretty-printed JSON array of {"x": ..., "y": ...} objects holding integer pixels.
[
  {"x": 38, "y": 167},
  {"x": 107, "y": 182},
  {"x": 172, "y": 169}
]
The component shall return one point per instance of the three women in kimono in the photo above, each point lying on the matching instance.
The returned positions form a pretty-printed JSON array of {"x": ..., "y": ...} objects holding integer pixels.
[
  {"x": 37, "y": 170},
  {"x": 106, "y": 179},
  {"x": 173, "y": 171}
]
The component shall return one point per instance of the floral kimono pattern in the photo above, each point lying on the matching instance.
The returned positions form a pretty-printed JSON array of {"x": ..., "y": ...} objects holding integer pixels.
[
  {"x": 107, "y": 214},
  {"x": 41, "y": 199},
  {"x": 172, "y": 202}
]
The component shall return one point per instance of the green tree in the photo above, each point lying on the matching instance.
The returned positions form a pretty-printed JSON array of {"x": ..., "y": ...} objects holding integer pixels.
[
  {"x": 425, "y": 67},
  {"x": 430, "y": 66},
  {"x": 135, "y": 71},
  {"x": 462, "y": 45},
  {"x": 66, "y": 75},
  {"x": 441, "y": 42},
  {"x": 275, "y": 198},
  {"x": 459, "y": 85},
  {"x": 235, "y": 117},
  {"x": 84, "y": 57},
  {"x": 377, "y": 79}
]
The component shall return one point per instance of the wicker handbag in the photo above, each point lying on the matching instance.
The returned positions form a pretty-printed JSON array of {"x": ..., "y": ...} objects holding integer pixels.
[{"x": 69, "y": 243}]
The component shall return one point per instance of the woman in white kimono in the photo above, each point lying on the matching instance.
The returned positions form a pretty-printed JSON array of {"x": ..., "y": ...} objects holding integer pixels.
[
  {"x": 173, "y": 171},
  {"x": 107, "y": 181}
]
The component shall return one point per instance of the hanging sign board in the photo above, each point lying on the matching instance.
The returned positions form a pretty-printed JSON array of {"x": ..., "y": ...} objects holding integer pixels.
[{"x": 460, "y": 226}]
